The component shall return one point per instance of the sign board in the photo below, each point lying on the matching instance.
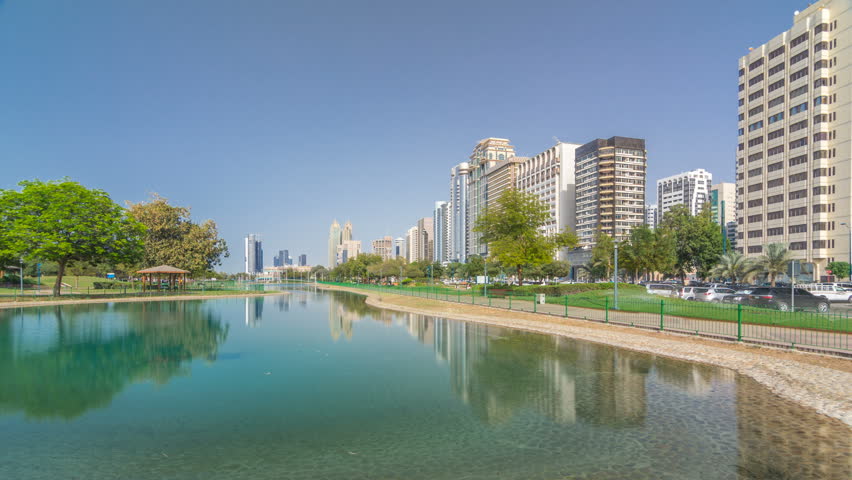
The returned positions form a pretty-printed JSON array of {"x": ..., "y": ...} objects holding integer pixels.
[
  {"x": 480, "y": 279},
  {"x": 110, "y": 276}
]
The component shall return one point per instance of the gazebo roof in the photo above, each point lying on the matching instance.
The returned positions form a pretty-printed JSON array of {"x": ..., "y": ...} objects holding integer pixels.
[{"x": 163, "y": 269}]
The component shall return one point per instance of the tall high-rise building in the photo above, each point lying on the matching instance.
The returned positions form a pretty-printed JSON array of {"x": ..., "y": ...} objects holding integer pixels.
[
  {"x": 485, "y": 154},
  {"x": 383, "y": 247},
  {"x": 794, "y": 165},
  {"x": 303, "y": 260},
  {"x": 333, "y": 242},
  {"x": 412, "y": 244},
  {"x": 440, "y": 222},
  {"x": 399, "y": 247},
  {"x": 457, "y": 231},
  {"x": 690, "y": 188},
  {"x": 286, "y": 258},
  {"x": 346, "y": 234},
  {"x": 253, "y": 254},
  {"x": 651, "y": 216},
  {"x": 610, "y": 182},
  {"x": 347, "y": 250},
  {"x": 550, "y": 176},
  {"x": 426, "y": 239},
  {"x": 723, "y": 206}
]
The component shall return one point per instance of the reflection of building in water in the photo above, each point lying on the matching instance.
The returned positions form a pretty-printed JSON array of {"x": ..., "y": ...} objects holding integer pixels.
[
  {"x": 778, "y": 438},
  {"x": 692, "y": 378},
  {"x": 254, "y": 310},
  {"x": 283, "y": 303},
  {"x": 340, "y": 318}
]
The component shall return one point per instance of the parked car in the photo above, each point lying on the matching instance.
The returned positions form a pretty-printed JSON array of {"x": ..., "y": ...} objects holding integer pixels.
[
  {"x": 689, "y": 293},
  {"x": 782, "y": 299},
  {"x": 738, "y": 297},
  {"x": 661, "y": 289},
  {"x": 713, "y": 294},
  {"x": 832, "y": 291}
]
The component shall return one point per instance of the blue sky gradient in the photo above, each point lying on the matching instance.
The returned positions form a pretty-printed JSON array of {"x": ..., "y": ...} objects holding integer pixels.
[{"x": 274, "y": 117}]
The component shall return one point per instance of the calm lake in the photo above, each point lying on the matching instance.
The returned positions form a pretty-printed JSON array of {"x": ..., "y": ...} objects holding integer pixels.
[{"x": 312, "y": 385}]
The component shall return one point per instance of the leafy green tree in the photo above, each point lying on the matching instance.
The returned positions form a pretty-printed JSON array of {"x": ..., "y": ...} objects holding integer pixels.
[
  {"x": 637, "y": 253},
  {"x": 774, "y": 261},
  {"x": 697, "y": 245},
  {"x": 319, "y": 271},
  {"x": 601, "y": 263},
  {"x": 474, "y": 267},
  {"x": 453, "y": 270},
  {"x": 839, "y": 269},
  {"x": 172, "y": 238},
  {"x": 63, "y": 222},
  {"x": 513, "y": 232},
  {"x": 663, "y": 256},
  {"x": 735, "y": 266},
  {"x": 556, "y": 269}
]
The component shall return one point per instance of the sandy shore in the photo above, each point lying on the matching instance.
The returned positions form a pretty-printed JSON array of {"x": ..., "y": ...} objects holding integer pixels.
[
  {"x": 47, "y": 303},
  {"x": 822, "y": 383}
]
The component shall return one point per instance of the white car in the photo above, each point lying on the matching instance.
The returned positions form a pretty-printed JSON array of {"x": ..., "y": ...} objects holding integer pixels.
[
  {"x": 713, "y": 295},
  {"x": 833, "y": 292},
  {"x": 661, "y": 289}
]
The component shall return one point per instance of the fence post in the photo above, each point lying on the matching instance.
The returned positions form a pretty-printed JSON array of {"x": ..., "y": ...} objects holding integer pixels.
[
  {"x": 458, "y": 294},
  {"x": 606, "y": 309},
  {"x": 739, "y": 322},
  {"x": 662, "y": 313},
  {"x": 535, "y": 303},
  {"x": 566, "y": 305},
  {"x": 489, "y": 300},
  {"x": 510, "y": 300}
]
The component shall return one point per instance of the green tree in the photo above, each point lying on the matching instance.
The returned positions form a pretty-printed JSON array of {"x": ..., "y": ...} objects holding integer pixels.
[
  {"x": 319, "y": 272},
  {"x": 774, "y": 261},
  {"x": 601, "y": 263},
  {"x": 513, "y": 232},
  {"x": 63, "y": 222},
  {"x": 839, "y": 269},
  {"x": 697, "y": 245},
  {"x": 172, "y": 238},
  {"x": 663, "y": 256},
  {"x": 556, "y": 269},
  {"x": 637, "y": 253},
  {"x": 735, "y": 266}
]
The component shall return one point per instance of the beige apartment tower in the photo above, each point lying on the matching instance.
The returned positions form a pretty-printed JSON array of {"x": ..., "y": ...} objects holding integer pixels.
[
  {"x": 486, "y": 154},
  {"x": 793, "y": 156}
]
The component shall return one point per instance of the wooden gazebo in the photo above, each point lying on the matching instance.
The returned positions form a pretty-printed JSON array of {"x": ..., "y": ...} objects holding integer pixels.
[{"x": 155, "y": 276}]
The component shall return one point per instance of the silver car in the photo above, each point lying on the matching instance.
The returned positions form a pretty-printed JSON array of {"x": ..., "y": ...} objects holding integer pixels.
[{"x": 714, "y": 295}]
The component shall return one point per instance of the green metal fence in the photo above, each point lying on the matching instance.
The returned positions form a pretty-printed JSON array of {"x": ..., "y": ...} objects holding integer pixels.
[{"x": 825, "y": 332}]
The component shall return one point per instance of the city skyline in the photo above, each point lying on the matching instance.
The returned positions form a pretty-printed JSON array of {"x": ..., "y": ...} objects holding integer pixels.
[{"x": 227, "y": 109}]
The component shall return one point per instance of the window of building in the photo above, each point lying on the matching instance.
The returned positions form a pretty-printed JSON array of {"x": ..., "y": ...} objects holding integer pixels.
[
  {"x": 798, "y": 40},
  {"x": 821, "y": 118},
  {"x": 755, "y": 248},
  {"x": 819, "y": 46},
  {"x": 772, "y": 167},
  {"x": 755, "y": 203},
  {"x": 775, "y": 150},
  {"x": 798, "y": 160},
  {"x": 798, "y": 57},
  {"x": 740, "y": 132},
  {"x": 801, "y": 142},
  {"x": 755, "y": 126},
  {"x": 820, "y": 226},
  {"x": 776, "y": 134},
  {"x": 755, "y": 157},
  {"x": 755, "y": 80},
  {"x": 821, "y": 82},
  {"x": 774, "y": 118},
  {"x": 820, "y": 208},
  {"x": 798, "y": 125},
  {"x": 797, "y": 212},
  {"x": 775, "y": 183},
  {"x": 755, "y": 233},
  {"x": 820, "y": 190},
  {"x": 755, "y": 64},
  {"x": 755, "y": 172},
  {"x": 819, "y": 244},
  {"x": 756, "y": 141},
  {"x": 822, "y": 27},
  {"x": 820, "y": 154},
  {"x": 802, "y": 107},
  {"x": 775, "y": 215},
  {"x": 820, "y": 100},
  {"x": 819, "y": 136},
  {"x": 775, "y": 199},
  {"x": 754, "y": 111},
  {"x": 798, "y": 194},
  {"x": 798, "y": 245},
  {"x": 776, "y": 69},
  {"x": 820, "y": 64},
  {"x": 776, "y": 52},
  {"x": 755, "y": 218},
  {"x": 755, "y": 188},
  {"x": 754, "y": 96},
  {"x": 741, "y": 102},
  {"x": 776, "y": 101},
  {"x": 740, "y": 117},
  {"x": 798, "y": 177},
  {"x": 801, "y": 228},
  {"x": 771, "y": 232},
  {"x": 798, "y": 91},
  {"x": 775, "y": 85},
  {"x": 798, "y": 74}
]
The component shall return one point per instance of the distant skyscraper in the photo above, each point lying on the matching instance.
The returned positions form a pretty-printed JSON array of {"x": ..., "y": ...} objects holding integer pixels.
[
  {"x": 426, "y": 239},
  {"x": 399, "y": 247},
  {"x": 347, "y": 250},
  {"x": 287, "y": 259},
  {"x": 485, "y": 154},
  {"x": 457, "y": 230},
  {"x": 440, "y": 222},
  {"x": 412, "y": 245},
  {"x": 346, "y": 234},
  {"x": 303, "y": 260},
  {"x": 333, "y": 242},
  {"x": 723, "y": 206},
  {"x": 690, "y": 188},
  {"x": 610, "y": 188},
  {"x": 253, "y": 254},
  {"x": 279, "y": 260},
  {"x": 651, "y": 216},
  {"x": 383, "y": 247}
]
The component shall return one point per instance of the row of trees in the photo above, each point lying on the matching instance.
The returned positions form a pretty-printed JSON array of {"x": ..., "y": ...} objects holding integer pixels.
[
  {"x": 68, "y": 226},
  {"x": 775, "y": 261}
]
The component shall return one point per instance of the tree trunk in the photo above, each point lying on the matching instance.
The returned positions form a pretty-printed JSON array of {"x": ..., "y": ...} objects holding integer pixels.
[
  {"x": 57, "y": 287},
  {"x": 520, "y": 276}
]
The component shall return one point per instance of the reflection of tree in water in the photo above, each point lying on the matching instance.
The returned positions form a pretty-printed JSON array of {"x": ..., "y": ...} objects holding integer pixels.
[
  {"x": 345, "y": 309},
  {"x": 84, "y": 368}
]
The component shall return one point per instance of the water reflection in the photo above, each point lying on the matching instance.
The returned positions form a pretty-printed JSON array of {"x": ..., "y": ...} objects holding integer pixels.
[
  {"x": 254, "y": 310},
  {"x": 63, "y": 361}
]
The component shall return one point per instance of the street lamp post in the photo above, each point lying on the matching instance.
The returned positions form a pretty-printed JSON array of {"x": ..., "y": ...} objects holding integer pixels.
[
  {"x": 615, "y": 279},
  {"x": 485, "y": 266},
  {"x": 850, "y": 247}
]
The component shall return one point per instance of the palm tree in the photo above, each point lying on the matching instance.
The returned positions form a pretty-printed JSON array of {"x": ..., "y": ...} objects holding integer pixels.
[
  {"x": 774, "y": 261},
  {"x": 735, "y": 266}
]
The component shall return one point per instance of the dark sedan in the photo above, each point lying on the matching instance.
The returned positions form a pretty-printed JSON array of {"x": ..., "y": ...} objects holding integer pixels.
[
  {"x": 782, "y": 299},
  {"x": 740, "y": 296}
]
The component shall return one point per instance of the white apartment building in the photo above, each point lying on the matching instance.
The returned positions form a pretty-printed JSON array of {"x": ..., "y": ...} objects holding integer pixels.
[
  {"x": 610, "y": 188},
  {"x": 486, "y": 153},
  {"x": 550, "y": 176},
  {"x": 457, "y": 213},
  {"x": 651, "y": 217},
  {"x": 383, "y": 247},
  {"x": 794, "y": 164},
  {"x": 347, "y": 250},
  {"x": 399, "y": 247},
  {"x": 412, "y": 244},
  {"x": 441, "y": 223},
  {"x": 690, "y": 188}
]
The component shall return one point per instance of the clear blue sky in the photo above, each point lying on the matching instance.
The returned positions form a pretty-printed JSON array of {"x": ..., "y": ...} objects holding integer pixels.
[{"x": 274, "y": 117}]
